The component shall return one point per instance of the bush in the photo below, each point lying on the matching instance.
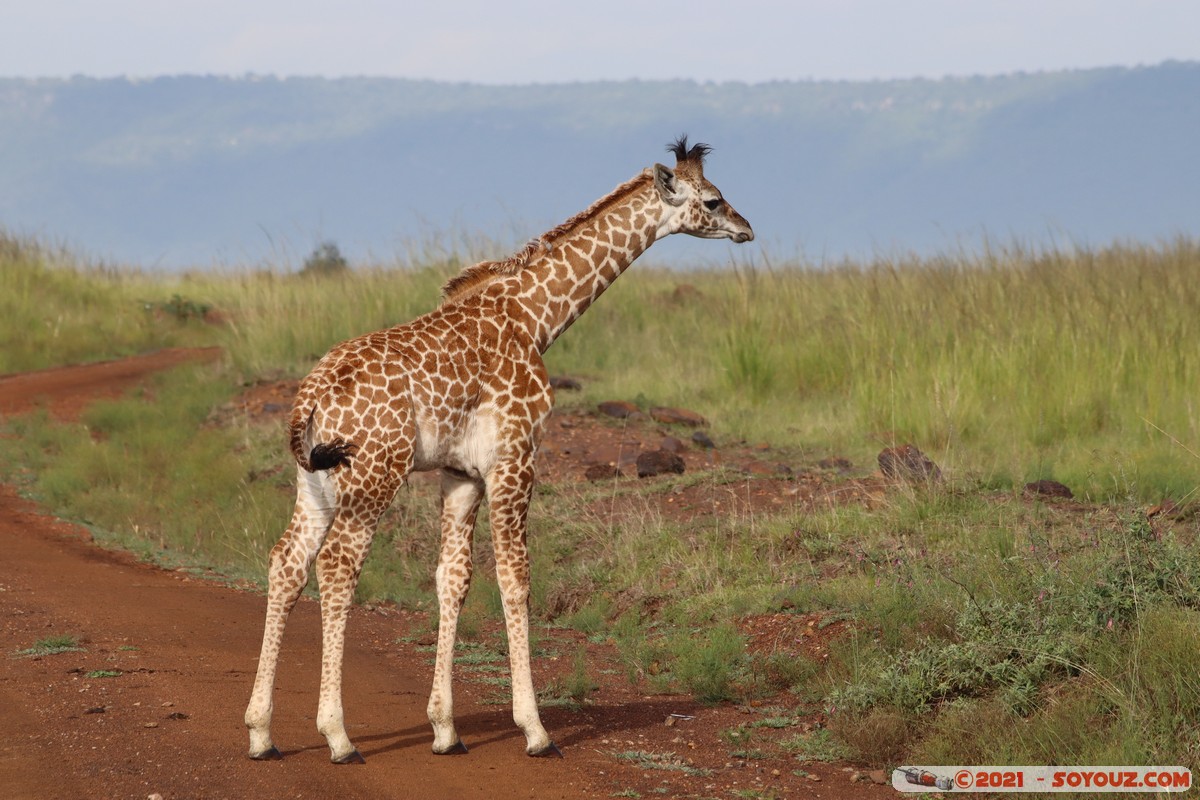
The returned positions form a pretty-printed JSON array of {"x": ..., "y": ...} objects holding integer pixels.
[{"x": 325, "y": 260}]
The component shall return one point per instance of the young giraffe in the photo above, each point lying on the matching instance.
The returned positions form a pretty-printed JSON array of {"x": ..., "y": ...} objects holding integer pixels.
[{"x": 461, "y": 389}]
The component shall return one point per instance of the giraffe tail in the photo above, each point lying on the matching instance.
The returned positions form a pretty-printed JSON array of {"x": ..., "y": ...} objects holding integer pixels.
[{"x": 322, "y": 456}]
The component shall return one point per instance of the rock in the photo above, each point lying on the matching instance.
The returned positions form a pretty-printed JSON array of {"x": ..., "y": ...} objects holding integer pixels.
[
  {"x": 878, "y": 777},
  {"x": 659, "y": 462},
  {"x": 623, "y": 454},
  {"x": 685, "y": 292},
  {"x": 621, "y": 409},
  {"x": 563, "y": 383},
  {"x": 908, "y": 463},
  {"x": 602, "y": 472},
  {"x": 835, "y": 462},
  {"x": 671, "y": 445},
  {"x": 701, "y": 438},
  {"x": 1046, "y": 488},
  {"x": 1168, "y": 508},
  {"x": 677, "y": 416}
]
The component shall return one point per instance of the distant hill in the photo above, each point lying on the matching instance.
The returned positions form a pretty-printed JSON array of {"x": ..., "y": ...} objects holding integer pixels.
[{"x": 181, "y": 171}]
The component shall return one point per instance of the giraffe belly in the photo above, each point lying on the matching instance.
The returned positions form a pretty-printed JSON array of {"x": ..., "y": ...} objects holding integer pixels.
[{"x": 470, "y": 448}]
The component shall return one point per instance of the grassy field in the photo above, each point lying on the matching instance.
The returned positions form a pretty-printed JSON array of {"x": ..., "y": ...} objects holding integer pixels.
[{"x": 979, "y": 627}]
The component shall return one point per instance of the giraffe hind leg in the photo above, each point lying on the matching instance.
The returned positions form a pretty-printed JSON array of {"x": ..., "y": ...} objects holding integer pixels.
[
  {"x": 363, "y": 493},
  {"x": 338, "y": 567},
  {"x": 290, "y": 561}
]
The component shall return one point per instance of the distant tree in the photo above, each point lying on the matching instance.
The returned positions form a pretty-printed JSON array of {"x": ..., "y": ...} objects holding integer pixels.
[{"x": 325, "y": 259}]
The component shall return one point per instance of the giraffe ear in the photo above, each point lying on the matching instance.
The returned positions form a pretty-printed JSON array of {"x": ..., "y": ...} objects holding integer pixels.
[{"x": 668, "y": 187}]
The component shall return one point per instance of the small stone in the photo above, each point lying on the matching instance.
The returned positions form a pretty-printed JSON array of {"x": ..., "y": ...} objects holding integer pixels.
[
  {"x": 601, "y": 472},
  {"x": 812, "y": 776},
  {"x": 878, "y": 777},
  {"x": 659, "y": 462},
  {"x": 677, "y": 416},
  {"x": 621, "y": 409},
  {"x": 96, "y": 710},
  {"x": 671, "y": 445},
  {"x": 686, "y": 292},
  {"x": 563, "y": 383},
  {"x": 701, "y": 438},
  {"x": 150, "y": 725},
  {"x": 155, "y": 796},
  {"x": 1046, "y": 488},
  {"x": 670, "y": 722},
  {"x": 178, "y": 715},
  {"x": 838, "y": 463},
  {"x": 908, "y": 463},
  {"x": 1168, "y": 508}
]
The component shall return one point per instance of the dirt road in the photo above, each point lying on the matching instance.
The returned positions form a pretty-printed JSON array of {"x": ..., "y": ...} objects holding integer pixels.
[{"x": 152, "y": 703}]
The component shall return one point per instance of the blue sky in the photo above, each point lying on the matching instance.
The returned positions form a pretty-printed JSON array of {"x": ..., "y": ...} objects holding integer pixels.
[{"x": 518, "y": 41}]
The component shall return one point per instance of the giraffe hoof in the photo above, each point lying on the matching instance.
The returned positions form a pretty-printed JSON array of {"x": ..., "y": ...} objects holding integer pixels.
[
  {"x": 456, "y": 749},
  {"x": 353, "y": 757},
  {"x": 549, "y": 751},
  {"x": 270, "y": 754}
]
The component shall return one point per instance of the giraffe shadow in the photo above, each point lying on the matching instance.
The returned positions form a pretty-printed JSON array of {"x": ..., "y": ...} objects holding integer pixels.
[{"x": 485, "y": 728}]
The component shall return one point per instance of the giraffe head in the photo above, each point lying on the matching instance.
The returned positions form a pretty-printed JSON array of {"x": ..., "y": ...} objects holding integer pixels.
[{"x": 698, "y": 207}]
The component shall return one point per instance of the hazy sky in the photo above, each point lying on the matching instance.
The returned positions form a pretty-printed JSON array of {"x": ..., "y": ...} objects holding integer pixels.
[{"x": 518, "y": 41}]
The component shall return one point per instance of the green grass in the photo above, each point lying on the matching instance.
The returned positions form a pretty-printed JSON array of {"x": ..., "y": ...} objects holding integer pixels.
[
  {"x": 977, "y": 626},
  {"x": 647, "y": 760},
  {"x": 52, "y": 645},
  {"x": 1012, "y": 364},
  {"x": 66, "y": 312}
]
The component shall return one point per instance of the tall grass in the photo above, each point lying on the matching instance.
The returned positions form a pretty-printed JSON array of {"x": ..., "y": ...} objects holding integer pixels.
[
  {"x": 56, "y": 310},
  {"x": 1012, "y": 364}
]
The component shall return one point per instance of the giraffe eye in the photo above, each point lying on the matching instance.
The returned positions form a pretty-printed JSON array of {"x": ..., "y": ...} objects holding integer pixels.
[{"x": 713, "y": 205}]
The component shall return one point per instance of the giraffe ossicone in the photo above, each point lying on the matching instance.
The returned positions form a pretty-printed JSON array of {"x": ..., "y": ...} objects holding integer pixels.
[{"x": 461, "y": 389}]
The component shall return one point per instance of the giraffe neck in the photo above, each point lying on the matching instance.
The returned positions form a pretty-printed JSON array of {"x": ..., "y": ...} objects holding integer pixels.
[{"x": 582, "y": 257}]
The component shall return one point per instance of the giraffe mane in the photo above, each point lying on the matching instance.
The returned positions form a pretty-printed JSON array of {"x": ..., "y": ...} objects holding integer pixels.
[
  {"x": 682, "y": 153},
  {"x": 474, "y": 278}
]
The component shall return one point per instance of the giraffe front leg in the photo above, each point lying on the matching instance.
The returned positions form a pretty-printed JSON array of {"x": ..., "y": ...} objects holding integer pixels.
[
  {"x": 460, "y": 505},
  {"x": 510, "y": 487},
  {"x": 338, "y": 566}
]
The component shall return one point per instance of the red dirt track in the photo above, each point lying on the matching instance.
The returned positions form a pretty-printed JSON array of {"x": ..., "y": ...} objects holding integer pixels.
[{"x": 185, "y": 648}]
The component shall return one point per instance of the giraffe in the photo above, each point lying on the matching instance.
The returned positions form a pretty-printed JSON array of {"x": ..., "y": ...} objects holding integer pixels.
[{"x": 461, "y": 389}]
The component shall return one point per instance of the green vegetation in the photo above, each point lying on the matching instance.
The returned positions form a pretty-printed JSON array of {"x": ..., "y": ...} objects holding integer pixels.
[
  {"x": 52, "y": 645},
  {"x": 965, "y": 623},
  {"x": 662, "y": 761},
  {"x": 57, "y": 311}
]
